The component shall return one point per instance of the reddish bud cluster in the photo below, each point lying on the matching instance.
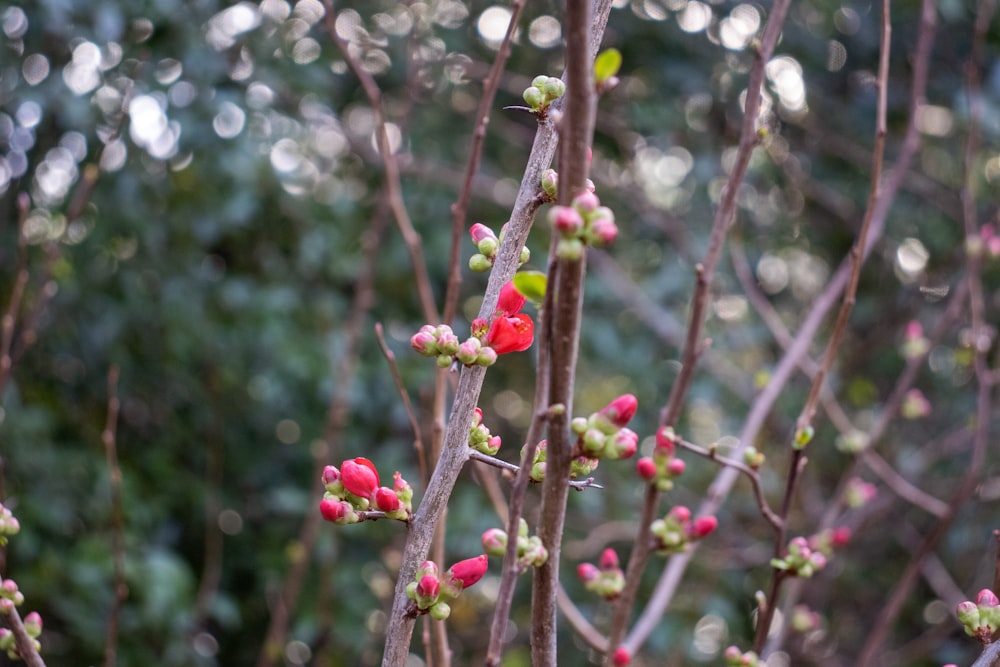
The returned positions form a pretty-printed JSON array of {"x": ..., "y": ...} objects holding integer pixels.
[
  {"x": 480, "y": 438},
  {"x": 673, "y": 533},
  {"x": 736, "y": 658},
  {"x": 584, "y": 222},
  {"x": 354, "y": 489},
  {"x": 661, "y": 468},
  {"x": 606, "y": 579},
  {"x": 430, "y": 591},
  {"x": 980, "y": 619}
]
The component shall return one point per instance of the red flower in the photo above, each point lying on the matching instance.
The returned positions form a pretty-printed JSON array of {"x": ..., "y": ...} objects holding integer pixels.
[
  {"x": 359, "y": 477},
  {"x": 511, "y": 301},
  {"x": 510, "y": 330},
  {"x": 515, "y": 333},
  {"x": 332, "y": 509}
]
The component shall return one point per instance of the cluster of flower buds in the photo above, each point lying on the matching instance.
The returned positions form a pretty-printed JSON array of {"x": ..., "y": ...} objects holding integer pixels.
[
  {"x": 10, "y": 596},
  {"x": 603, "y": 435},
  {"x": 543, "y": 91},
  {"x": 915, "y": 405},
  {"x": 488, "y": 245},
  {"x": 737, "y": 658},
  {"x": 914, "y": 343},
  {"x": 981, "y": 619},
  {"x": 9, "y": 525},
  {"x": 858, "y": 492},
  {"x": 800, "y": 559},
  {"x": 353, "y": 494},
  {"x": 442, "y": 343},
  {"x": 661, "y": 468},
  {"x": 530, "y": 551},
  {"x": 584, "y": 222},
  {"x": 431, "y": 591},
  {"x": 606, "y": 578},
  {"x": 673, "y": 533},
  {"x": 32, "y": 625},
  {"x": 480, "y": 438},
  {"x": 987, "y": 242}
]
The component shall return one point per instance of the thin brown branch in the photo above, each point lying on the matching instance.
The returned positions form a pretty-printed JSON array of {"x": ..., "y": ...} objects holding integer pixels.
[
  {"x": 460, "y": 208},
  {"x": 723, "y": 220},
  {"x": 857, "y": 257},
  {"x": 344, "y": 370},
  {"x": 996, "y": 562},
  {"x": 390, "y": 357},
  {"x": 564, "y": 300},
  {"x": 109, "y": 440},
  {"x": 889, "y": 612},
  {"x": 394, "y": 190},
  {"x": 760, "y": 409},
  {"x": 16, "y": 293}
]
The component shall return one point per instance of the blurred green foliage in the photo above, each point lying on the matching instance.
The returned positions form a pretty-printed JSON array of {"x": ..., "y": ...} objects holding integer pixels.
[{"x": 216, "y": 260}]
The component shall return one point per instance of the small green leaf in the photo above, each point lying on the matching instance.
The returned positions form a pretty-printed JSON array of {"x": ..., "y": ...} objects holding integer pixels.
[
  {"x": 531, "y": 285},
  {"x": 607, "y": 65}
]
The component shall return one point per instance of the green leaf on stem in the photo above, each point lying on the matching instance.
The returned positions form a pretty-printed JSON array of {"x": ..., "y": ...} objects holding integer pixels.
[
  {"x": 531, "y": 285},
  {"x": 607, "y": 65}
]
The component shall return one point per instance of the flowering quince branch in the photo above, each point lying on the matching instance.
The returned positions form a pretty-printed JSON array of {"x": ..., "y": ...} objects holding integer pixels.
[
  {"x": 455, "y": 450},
  {"x": 672, "y": 575},
  {"x": 563, "y": 300},
  {"x": 476, "y": 455},
  {"x": 725, "y": 214}
]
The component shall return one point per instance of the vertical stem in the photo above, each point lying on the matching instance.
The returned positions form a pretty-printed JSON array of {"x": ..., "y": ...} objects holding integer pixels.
[
  {"x": 565, "y": 294},
  {"x": 108, "y": 438}
]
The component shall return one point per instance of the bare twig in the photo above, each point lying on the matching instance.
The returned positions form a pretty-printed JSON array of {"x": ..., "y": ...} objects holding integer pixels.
[
  {"x": 966, "y": 485},
  {"x": 564, "y": 301},
  {"x": 857, "y": 257},
  {"x": 344, "y": 370},
  {"x": 761, "y": 407},
  {"x": 693, "y": 343},
  {"x": 108, "y": 438},
  {"x": 460, "y": 207},
  {"x": 390, "y": 357},
  {"x": 16, "y": 293},
  {"x": 394, "y": 190}
]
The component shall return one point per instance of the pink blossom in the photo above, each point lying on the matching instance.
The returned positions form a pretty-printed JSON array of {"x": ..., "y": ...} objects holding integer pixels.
[
  {"x": 469, "y": 571},
  {"x": 359, "y": 477}
]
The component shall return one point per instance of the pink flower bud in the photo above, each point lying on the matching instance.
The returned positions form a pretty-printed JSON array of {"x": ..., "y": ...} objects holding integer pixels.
[
  {"x": 330, "y": 475},
  {"x": 586, "y": 202},
  {"x": 676, "y": 467},
  {"x": 428, "y": 586},
  {"x": 33, "y": 619},
  {"x": 359, "y": 477},
  {"x": 646, "y": 468},
  {"x": 681, "y": 514},
  {"x": 468, "y": 352},
  {"x": 566, "y": 220},
  {"x": 333, "y": 510},
  {"x": 487, "y": 357},
  {"x": 665, "y": 440},
  {"x": 621, "y": 410},
  {"x": 494, "y": 542},
  {"x": 386, "y": 500},
  {"x": 840, "y": 536},
  {"x": 587, "y": 572},
  {"x": 621, "y": 657},
  {"x": 609, "y": 559},
  {"x": 622, "y": 445},
  {"x": 987, "y": 598},
  {"x": 913, "y": 330},
  {"x": 479, "y": 232},
  {"x": 424, "y": 342},
  {"x": 469, "y": 571},
  {"x": 604, "y": 232},
  {"x": 703, "y": 526}
]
